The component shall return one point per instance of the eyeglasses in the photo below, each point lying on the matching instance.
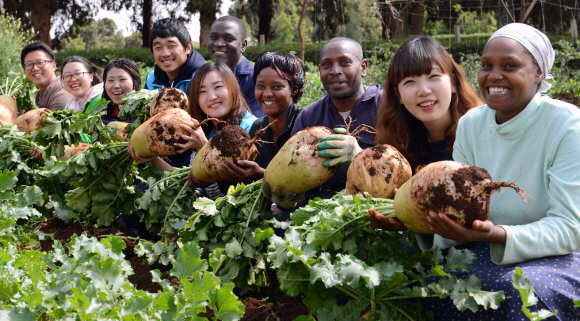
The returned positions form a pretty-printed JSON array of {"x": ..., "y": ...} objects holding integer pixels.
[
  {"x": 39, "y": 64},
  {"x": 77, "y": 75}
]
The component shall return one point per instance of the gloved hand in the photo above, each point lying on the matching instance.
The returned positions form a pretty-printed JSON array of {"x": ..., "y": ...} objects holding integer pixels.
[
  {"x": 340, "y": 148},
  {"x": 287, "y": 201}
]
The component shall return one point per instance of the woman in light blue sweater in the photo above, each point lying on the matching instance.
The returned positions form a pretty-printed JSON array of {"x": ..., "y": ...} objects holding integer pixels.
[{"x": 531, "y": 139}]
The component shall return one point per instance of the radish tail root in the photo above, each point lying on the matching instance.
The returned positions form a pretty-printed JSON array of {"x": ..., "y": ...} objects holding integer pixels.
[
  {"x": 496, "y": 186},
  {"x": 196, "y": 126},
  {"x": 260, "y": 133}
]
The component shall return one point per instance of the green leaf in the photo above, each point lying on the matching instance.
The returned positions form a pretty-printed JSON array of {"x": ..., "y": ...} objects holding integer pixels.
[
  {"x": 460, "y": 259},
  {"x": 225, "y": 304},
  {"x": 262, "y": 235},
  {"x": 233, "y": 248},
  {"x": 187, "y": 261},
  {"x": 526, "y": 290},
  {"x": 7, "y": 180}
]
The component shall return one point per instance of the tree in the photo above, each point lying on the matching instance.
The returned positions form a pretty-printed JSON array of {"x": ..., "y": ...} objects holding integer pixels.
[
  {"x": 98, "y": 34},
  {"x": 304, "y": 4},
  {"x": 207, "y": 10}
]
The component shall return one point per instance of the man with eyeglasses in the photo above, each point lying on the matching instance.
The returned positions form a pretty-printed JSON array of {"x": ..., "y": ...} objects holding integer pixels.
[{"x": 37, "y": 59}]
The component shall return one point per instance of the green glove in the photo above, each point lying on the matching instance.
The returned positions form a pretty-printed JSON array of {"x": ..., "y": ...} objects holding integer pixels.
[
  {"x": 341, "y": 149},
  {"x": 287, "y": 201}
]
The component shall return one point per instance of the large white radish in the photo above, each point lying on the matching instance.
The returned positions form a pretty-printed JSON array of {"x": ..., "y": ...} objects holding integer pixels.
[
  {"x": 32, "y": 120},
  {"x": 378, "y": 170},
  {"x": 297, "y": 166},
  {"x": 460, "y": 191},
  {"x": 157, "y": 136}
]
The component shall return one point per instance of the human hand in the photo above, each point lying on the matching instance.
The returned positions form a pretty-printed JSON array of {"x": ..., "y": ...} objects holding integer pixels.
[
  {"x": 193, "y": 182},
  {"x": 482, "y": 231},
  {"x": 287, "y": 201},
  {"x": 36, "y": 153},
  {"x": 382, "y": 222},
  {"x": 340, "y": 148},
  {"x": 137, "y": 158},
  {"x": 195, "y": 138},
  {"x": 242, "y": 170}
]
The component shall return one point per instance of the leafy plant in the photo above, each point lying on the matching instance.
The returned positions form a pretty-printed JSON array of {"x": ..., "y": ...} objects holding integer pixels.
[
  {"x": 332, "y": 253},
  {"x": 12, "y": 40},
  {"x": 64, "y": 127},
  {"x": 234, "y": 229},
  {"x": 529, "y": 299},
  {"x": 102, "y": 178},
  {"x": 136, "y": 107},
  {"x": 166, "y": 205},
  {"x": 15, "y": 147}
]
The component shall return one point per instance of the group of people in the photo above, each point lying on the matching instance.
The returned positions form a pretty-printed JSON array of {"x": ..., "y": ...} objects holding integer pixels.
[{"x": 426, "y": 109}]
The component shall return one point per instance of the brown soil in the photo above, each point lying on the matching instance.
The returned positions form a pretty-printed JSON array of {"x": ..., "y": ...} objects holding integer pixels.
[
  {"x": 230, "y": 141},
  {"x": 255, "y": 308},
  {"x": 567, "y": 97},
  {"x": 465, "y": 180}
]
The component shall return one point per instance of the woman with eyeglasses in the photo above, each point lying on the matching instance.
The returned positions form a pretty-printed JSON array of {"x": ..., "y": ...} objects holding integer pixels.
[{"x": 84, "y": 81}]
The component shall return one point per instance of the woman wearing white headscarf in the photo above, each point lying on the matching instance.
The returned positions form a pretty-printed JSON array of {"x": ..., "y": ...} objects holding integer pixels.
[{"x": 533, "y": 140}]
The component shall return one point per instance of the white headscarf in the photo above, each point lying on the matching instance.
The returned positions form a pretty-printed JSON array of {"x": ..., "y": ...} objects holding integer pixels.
[{"x": 537, "y": 44}]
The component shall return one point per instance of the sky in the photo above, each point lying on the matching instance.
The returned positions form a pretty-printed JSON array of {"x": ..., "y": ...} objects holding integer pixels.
[{"x": 123, "y": 23}]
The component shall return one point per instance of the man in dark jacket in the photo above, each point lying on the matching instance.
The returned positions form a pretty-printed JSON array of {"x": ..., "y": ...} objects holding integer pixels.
[{"x": 227, "y": 42}]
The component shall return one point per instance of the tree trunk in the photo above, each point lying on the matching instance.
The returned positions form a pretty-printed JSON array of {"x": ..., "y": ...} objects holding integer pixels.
[
  {"x": 40, "y": 12},
  {"x": 522, "y": 11},
  {"x": 305, "y": 4},
  {"x": 265, "y": 15},
  {"x": 147, "y": 21},
  {"x": 400, "y": 27},
  {"x": 206, "y": 19},
  {"x": 417, "y": 17}
]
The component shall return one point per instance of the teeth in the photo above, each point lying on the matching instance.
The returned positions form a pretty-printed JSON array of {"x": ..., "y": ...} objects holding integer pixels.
[
  {"x": 74, "y": 86},
  {"x": 269, "y": 102},
  {"x": 335, "y": 83},
  {"x": 166, "y": 61},
  {"x": 427, "y": 104},
  {"x": 220, "y": 52},
  {"x": 214, "y": 105},
  {"x": 498, "y": 90},
  {"x": 117, "y": 92}
]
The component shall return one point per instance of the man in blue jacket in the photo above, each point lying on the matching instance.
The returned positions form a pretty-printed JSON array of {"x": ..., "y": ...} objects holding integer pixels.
[
  {"x": 227, "y": 42},
  {"x": 175, "y": 59}
]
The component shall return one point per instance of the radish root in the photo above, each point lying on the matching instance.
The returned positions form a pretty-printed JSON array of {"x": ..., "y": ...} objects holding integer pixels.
[
  {"x": 196, "y": 126},
  {"x": 496, "y": 186},
  {"x": 260, "y": 133}
]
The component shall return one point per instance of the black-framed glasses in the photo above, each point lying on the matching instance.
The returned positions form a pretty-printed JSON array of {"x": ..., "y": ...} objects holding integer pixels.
[
  {"x": 39, "y": 64},
  {"x": 77, "y": 75}
]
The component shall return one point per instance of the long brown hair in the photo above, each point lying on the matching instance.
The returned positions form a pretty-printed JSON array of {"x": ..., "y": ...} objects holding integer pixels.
[
  {"x": 239, "y": 105},
  {"x": 396, "y": 126}
]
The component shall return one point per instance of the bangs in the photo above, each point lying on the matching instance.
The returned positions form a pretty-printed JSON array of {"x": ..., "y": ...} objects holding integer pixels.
[{"x": 416, "y": 58}]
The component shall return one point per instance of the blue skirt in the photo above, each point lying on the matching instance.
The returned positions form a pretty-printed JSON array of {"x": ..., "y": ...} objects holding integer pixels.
[{"x": 556, "y": 282}]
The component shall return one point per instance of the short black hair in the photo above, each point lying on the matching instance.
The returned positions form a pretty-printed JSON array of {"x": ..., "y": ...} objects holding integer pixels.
[
  {"x": 35, "y": 46},
  {"x": 287, "y": 66},
  {"x": 358, "y": 49},
  {"x": 238, "y": 22},
  {"x": 169, "y": 27}
]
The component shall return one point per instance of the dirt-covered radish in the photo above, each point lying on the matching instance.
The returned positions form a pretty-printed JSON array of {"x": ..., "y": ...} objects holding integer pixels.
[
  {"x": 231, "y": 143},
  {"x": 297, "y": 166},
  {"x": 168, "y": 98},
  {"x": 378, "y": 170},
  {"x": 157, "y": 136},
  {"x": 70, "y": 151},
  {"x": 32, "y": 120},
  {"x": 460, "y": 191},
  {"x": 121, "y": 134}
]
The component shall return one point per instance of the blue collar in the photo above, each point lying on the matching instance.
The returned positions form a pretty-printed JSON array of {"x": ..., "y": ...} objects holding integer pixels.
[{"x": 245, "y": 67}]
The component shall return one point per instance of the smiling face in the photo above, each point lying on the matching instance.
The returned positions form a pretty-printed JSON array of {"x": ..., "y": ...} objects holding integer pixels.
[
  {"x": 77, "y": 87},
  {"x": 341, "y": 71},
  {"x": 118, "y": 84},
  {"x": 170, "y": 55},
  {"x": 508, "y": 77},
  {"x": 427, "y": 97},
  {"x": 42, "y": 77},
  {"x": 214, "y": 97},
  {"x": 225, "y": 43},
  {"x": 273, "y": 93}
]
